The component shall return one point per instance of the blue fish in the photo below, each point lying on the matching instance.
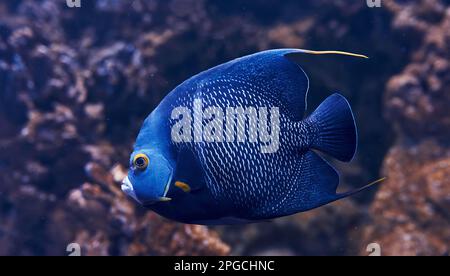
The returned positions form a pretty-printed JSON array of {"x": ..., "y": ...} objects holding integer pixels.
[{"x": 232, "y": 144}]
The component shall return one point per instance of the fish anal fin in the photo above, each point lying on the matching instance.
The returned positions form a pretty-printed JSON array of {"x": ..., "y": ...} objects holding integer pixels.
[{"x": 314, "y": 185}]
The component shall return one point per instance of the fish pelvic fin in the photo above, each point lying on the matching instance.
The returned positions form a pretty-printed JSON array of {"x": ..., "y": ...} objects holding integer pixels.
[{"x": 334, "y": 128}]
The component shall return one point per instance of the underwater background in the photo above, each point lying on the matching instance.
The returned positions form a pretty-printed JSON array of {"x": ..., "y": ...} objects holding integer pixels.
[{"x": 77, "y": 83}]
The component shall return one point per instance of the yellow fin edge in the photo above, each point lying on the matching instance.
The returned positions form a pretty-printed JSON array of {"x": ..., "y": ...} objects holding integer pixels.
[{"x": 334, "y": 53}]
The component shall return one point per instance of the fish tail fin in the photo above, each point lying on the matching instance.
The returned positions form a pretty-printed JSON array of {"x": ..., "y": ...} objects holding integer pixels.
[{"x": 336, "y": 128}]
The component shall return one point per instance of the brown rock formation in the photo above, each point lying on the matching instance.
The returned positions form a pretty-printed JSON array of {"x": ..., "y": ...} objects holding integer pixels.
[{"x": 411, "y": 211}]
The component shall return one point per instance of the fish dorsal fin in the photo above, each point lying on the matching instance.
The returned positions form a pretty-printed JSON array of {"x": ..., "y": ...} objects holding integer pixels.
[
  {"x": 286, "y": 77},
  {"x": 294, "y": 84},
  {"x": 277, "y": 71},
  {"x": 312, "y": 52},
  {"x": 279, "y": 76},
  {"x": 294, "y": 97}
]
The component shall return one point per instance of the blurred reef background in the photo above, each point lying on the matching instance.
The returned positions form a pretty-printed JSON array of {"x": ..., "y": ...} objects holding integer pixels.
[{"x": 76, "y": 84}]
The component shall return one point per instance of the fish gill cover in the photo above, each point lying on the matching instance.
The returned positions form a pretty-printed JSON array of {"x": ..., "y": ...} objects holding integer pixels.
[{"x": 76, "y": 84}]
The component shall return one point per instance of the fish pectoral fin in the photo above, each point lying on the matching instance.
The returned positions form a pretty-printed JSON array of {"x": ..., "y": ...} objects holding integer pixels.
[
  {"x": 189, "y": 175},
  {"x": 183, "y": 186}
]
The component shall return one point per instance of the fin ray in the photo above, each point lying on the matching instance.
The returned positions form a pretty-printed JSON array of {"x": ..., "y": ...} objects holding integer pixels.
[
  {"x": 334, "y": 53},
  {"x": 350, "y": 193}
]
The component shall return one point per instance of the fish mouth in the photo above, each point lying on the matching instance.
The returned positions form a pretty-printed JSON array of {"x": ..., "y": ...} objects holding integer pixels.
[{"x": 128, "y": 189}]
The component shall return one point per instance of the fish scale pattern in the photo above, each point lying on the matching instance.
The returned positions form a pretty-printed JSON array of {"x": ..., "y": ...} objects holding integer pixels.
[{"x": 238, "y": 173}]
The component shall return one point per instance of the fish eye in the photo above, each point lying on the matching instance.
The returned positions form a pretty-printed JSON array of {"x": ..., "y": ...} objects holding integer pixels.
[{"x": 140, "y": 161}]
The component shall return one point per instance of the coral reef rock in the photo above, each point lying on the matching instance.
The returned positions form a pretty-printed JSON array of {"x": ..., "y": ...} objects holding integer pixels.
[
  {"x": 411, "y": 211},
  {"x": 77, "y": 83}
]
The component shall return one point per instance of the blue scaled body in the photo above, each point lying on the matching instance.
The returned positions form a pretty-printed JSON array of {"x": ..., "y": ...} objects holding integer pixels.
[{"x": 188, "y": 169}]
